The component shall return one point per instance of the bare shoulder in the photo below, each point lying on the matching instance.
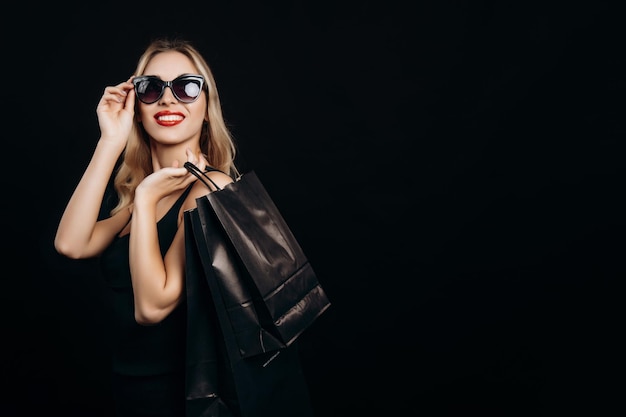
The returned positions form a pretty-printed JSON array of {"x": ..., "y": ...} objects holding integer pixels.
[
  {"x": 219, "y": 178},
  {"x": 199, "y": 189}
]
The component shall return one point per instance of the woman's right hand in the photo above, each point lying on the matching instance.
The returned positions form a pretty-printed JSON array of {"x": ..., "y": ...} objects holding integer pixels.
[{"x": 115, "y": 111}]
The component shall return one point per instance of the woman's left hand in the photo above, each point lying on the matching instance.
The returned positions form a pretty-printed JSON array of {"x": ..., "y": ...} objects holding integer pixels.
[{"x": 166, "y": 180}]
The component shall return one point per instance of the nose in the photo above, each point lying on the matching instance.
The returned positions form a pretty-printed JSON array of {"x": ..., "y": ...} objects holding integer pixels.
[{"x": 168, "y": 95}]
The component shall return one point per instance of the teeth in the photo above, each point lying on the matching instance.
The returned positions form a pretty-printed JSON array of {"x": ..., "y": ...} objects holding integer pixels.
[{"x": 170, "y": 118}]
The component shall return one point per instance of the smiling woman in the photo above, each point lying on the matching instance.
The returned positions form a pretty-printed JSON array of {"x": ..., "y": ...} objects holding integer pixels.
[{"x": 156, "y": 123}]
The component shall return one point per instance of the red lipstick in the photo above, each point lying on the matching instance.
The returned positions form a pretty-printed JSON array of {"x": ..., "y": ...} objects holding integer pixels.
[{"x": 169, "y": 118}]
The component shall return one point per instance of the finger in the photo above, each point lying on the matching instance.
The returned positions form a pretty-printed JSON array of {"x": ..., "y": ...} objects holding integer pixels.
[
  {"x": 198, "y": 160},
  {"x": 203, "y": 162},
  {"x": 193, "y": 159},
  {"x": 115, "y": 94},
  {"x": 176, "y": 172},
  {"x": 130, "y": 101},
  {"x": 190, "y": 156}
]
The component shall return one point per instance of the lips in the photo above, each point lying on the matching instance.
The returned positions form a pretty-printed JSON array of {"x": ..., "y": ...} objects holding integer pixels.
[{"x": 168, "y": 118}]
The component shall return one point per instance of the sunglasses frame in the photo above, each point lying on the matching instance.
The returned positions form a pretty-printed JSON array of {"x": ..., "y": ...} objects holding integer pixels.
[{"x": 169, "y": 84}]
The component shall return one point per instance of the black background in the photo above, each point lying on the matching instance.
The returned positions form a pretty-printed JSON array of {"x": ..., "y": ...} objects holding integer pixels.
[{"x": 452, "y": 169}]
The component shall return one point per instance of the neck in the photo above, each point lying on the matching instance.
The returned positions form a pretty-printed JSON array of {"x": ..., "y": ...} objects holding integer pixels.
[{"x": 168, "y": 156}]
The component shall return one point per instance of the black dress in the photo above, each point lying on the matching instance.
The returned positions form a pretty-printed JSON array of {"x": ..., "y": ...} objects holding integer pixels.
[{"x": 147, "y": 361}]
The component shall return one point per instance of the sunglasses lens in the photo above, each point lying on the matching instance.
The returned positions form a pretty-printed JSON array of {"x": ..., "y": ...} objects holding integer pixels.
[
  {"x": 187, "y": 90},
  {"x": 149, "y": 90}
]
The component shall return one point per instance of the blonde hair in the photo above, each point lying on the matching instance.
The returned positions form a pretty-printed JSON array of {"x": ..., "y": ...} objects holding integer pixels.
[{"x": 216, "y": 141}]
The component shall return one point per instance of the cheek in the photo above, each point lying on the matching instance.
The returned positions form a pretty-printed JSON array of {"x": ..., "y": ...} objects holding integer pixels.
[
  {"x": 199, "y": 111},
  {"x": 139, "y": 114}
]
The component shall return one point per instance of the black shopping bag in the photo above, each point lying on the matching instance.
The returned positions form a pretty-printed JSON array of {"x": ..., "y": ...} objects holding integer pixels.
[
  {"x": 270, "y": 291},
  {"x": 209, "y": 382},
  {"x": 220, "y": 381}
]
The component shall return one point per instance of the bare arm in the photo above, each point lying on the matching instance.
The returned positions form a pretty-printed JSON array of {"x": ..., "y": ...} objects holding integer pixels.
[
  {"x": 158, "y": 283},
  {"x": 79, "y": 234}
]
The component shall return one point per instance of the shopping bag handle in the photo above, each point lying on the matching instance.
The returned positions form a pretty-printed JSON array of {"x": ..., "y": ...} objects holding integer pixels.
[{"x": 201, "y": 175}]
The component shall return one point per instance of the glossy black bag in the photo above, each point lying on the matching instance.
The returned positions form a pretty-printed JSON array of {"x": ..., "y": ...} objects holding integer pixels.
[
  {"x": 238, "y": 362},
  {"x": 219, "y": 381},
  {"x": 270, "y": 291}
]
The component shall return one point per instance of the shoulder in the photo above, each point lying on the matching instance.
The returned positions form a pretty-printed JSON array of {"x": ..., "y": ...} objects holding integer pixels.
[
  {"x": 219, "y": 178},
  {"x": 199, "y": 189}
]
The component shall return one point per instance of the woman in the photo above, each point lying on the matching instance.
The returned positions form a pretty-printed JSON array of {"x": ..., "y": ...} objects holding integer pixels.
[{"x": 167, "y": 113}]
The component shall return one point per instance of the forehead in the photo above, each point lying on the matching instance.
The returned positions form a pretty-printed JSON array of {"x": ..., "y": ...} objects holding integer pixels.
[{"x": 169, "y": 65}]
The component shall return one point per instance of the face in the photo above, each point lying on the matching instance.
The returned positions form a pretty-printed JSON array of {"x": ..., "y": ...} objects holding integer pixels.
[{"x": 170, "y": 120}]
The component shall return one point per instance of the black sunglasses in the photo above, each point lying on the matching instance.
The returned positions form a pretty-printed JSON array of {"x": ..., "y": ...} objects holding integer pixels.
[{"x": 186, "y": 88}]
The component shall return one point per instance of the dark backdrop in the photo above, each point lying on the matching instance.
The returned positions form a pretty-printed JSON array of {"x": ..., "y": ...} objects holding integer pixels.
[{"x": 453, "y": 170}]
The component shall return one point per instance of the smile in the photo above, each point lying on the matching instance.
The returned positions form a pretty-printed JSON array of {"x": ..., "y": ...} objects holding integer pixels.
[{"x": 169, "y": 119}]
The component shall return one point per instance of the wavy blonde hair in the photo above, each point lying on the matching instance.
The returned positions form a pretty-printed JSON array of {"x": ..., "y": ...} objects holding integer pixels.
[{"x": 216, "y": 141}]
